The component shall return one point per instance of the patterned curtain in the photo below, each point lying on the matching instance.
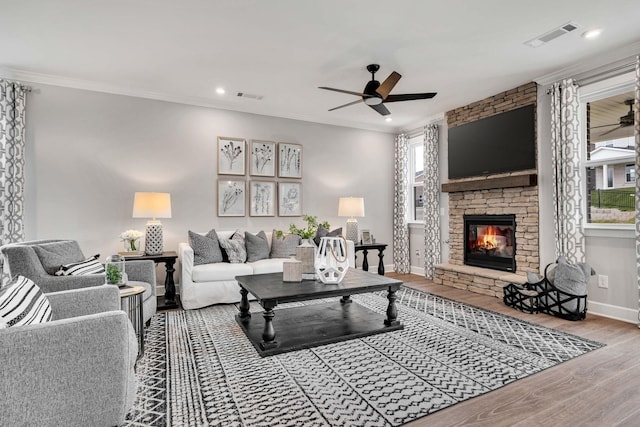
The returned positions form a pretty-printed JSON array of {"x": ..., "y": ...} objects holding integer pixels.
[
  {"x": 12, "y": 110},
  {"x": 401, "y": 261},
  {"x": 637, "y": 134},
  {"x": 431, "y": 201},
  {"x": 567, "y": 189}
]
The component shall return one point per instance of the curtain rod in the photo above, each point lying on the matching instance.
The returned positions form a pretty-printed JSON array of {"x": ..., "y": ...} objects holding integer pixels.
[{"x": 612, "y": 72}]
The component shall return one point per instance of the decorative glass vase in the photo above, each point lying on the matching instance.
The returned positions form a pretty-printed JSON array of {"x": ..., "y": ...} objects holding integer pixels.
[
  {"x": 331, "y": 261},
  {"x": 114, "y": 268},
  {"x": 132, "y": 245}
]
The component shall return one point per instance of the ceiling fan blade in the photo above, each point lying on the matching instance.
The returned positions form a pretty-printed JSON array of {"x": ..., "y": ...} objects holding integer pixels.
[
  {"x": 380, "y": 108},
  {"x": 346, "y": 105},
  {"x": 344, "y": 91},
  {"x": 604, "y": 126},
  {"x": 387, "y": 85},
  {"x": 609, "y": 131},
  {"x": 410, "y": 96}
]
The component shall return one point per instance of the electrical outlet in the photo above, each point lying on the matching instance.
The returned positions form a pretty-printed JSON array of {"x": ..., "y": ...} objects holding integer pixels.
[
  {"x": 417, "y": 252},
  {"x": 603, "y": 281}
]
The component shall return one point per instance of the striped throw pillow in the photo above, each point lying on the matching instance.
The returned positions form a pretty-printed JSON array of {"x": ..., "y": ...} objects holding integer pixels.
[
  {"x": 23, "y": 303},
  {"x": 88, "y": 266}
]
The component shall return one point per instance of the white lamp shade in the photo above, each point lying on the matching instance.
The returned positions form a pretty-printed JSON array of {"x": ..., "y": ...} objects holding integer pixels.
[
  {"x": 351, "y": 206},
  {"x": 151, "y": 205}
]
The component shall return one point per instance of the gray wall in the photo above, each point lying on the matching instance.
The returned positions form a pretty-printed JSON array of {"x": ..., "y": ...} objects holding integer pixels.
[{"x": 88, "y": 152}]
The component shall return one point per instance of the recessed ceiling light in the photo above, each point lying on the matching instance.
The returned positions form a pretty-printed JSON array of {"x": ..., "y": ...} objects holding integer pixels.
[
  {"x": 388, "y": 119},
  {"x": 220, "y": 91},
  {"x": 592, "y": 34}
]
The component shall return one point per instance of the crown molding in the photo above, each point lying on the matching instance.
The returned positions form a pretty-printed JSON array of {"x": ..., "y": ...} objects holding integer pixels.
[
  {"x": 611, "y": 58},
  {"x": 53, "y": 80}
]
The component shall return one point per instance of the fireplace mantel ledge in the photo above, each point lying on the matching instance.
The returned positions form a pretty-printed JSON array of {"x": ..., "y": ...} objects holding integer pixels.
[
  {"x": 484, "y": 272},
  {"x": 488, "y": 183}
]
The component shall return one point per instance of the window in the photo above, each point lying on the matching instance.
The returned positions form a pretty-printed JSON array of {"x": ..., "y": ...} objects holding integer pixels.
[
  {"x": 630, "y": 174},
  {"x": 610, "y": 151},
  {"x": 416, "y": 178}
]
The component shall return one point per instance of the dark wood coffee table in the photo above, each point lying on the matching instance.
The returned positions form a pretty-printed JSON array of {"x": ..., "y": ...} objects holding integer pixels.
[{"x": 313, "y": 324}]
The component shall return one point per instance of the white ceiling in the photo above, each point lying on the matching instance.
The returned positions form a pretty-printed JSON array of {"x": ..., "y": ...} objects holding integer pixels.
[{"x": 284, "y": 49}]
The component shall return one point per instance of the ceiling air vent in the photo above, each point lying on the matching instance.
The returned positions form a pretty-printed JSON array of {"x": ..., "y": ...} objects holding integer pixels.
[
  {"x": 551, "y": 35},
  {"x": 250, "y": 96}
]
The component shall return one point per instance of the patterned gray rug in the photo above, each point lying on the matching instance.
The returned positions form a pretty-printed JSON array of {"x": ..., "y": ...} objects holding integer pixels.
[{"x": 199, "y": 369}]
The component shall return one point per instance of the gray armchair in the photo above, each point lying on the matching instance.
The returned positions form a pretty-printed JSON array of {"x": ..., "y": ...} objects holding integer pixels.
[
  {"x": 76, "y": 370},
  {"x": 38, "y": 260}
]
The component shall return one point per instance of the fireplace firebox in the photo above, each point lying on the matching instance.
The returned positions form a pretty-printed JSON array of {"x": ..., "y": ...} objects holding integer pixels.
[{"x": 490, "y": 241}]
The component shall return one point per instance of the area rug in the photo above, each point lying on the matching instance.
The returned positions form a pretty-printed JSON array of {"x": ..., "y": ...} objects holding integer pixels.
[{"x": 199, "y": 369}]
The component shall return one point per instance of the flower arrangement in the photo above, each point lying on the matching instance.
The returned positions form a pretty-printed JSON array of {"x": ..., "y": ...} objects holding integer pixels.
[
  {"x": 130, "y": 237},
  {"x": 310, "y": 230}
]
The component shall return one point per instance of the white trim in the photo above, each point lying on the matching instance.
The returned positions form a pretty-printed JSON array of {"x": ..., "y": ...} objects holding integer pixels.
[
  {"x": 617, "y": 231},
  {"x": 53, "y": 80},
  {"x": 436, "y": 118},
  {"x": 417, "y": 270},
  {"x": 607, "y": 60},
  {"x": 613, "y": 311}
]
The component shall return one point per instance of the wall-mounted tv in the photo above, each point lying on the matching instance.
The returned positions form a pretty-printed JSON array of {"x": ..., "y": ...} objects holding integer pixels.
[{"x": 502, "y": 143}]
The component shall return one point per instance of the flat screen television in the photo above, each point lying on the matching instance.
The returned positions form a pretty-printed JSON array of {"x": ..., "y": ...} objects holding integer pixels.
[{"x": 502, "y": 143}]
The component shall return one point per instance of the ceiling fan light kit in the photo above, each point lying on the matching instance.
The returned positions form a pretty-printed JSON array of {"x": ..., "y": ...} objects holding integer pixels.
[{"x": 375, "y": 94}]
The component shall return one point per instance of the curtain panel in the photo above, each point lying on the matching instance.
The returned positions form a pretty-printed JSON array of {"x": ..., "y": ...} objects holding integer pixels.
[
  {"x": 431, "y": 188},
  {"x": 401, "y": 261},
  {"x": 12, "y": 133},
  {"x": 567, "y": 184}
]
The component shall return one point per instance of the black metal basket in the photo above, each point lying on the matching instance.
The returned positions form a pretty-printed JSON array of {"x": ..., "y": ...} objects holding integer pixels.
[{"x": 549, "y": 299}]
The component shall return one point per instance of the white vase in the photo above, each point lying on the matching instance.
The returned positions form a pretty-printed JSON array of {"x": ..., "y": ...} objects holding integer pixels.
[{"x": 331, "y": 261}]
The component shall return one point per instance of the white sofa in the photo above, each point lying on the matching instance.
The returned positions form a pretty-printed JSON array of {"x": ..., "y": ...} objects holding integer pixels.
[{"x": 208, "y": 284}]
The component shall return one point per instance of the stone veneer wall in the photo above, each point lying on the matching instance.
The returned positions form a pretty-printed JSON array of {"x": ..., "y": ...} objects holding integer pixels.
[{"x": 521, "y": 201}]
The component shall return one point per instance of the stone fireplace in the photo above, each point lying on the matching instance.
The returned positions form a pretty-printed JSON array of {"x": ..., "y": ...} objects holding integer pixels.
[{"x": 510, "y": 196}]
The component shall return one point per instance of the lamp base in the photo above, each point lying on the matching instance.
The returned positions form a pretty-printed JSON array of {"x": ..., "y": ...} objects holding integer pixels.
[
  {"x": 352, "y": 230},
  {"x": 153, "y": 238}
]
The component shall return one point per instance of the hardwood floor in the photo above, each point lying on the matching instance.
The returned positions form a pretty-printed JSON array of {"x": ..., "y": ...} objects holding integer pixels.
[{"x": 601, "y": 388}]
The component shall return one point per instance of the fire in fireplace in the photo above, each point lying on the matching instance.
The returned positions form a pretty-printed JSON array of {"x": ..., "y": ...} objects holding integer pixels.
[{"x": 490, "y": 241}]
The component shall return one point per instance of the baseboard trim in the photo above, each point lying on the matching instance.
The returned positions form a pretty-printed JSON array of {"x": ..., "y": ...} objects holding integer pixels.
[
  {"x": 417, "y": 270},
  {"x": 613, "y": 312}
]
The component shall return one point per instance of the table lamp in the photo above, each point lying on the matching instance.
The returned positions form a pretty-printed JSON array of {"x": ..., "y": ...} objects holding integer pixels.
[
  {"x": 351, "y": 207},
  {"x": 152, "y": 205}
]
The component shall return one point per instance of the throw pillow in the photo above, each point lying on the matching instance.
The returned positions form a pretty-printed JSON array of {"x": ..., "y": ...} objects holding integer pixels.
[
  {"x": 54, "y": 254},
  {"x": 23, "y": 303},
  {"x": 206, "y": 249},
  {"x": 82, "y": 268},
  {"x": 323, "y": 232},
  {"x": 235, "y": 248},
  {"x": 572, "y": 279},
  {"x": 257, "y": 246},
  {"x": 285, "y": 246}
]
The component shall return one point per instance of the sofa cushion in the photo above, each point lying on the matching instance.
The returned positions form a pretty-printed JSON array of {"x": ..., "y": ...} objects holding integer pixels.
[
  {"x": 257, "y": 246},
  {"x": 270, "y": 265},
  {"x": 206, "y": 249},
  {"x": 285, "y": 246},
  {"x": 235, "y": 248},
  {"x": 23, "y": 303},
  {"x": 323, "y": 232},
  {"x": 220, "y": 271},
  {"x": 54, "y": 254},
  {"x": 90, "y": 265}
]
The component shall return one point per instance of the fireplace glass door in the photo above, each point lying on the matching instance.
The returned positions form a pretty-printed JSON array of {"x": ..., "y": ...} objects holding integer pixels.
[{"x": 490, "y": 241}]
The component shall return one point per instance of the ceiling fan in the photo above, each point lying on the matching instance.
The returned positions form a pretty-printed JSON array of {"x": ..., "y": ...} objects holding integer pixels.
[
  {"x": 376, "y": 94},
  {"x": 625, "y": 121}
]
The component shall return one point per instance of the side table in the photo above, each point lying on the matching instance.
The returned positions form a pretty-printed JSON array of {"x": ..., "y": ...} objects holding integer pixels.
[
  {"x": 169, "y": 259},
  {"x": 131, "y": 302},
  {"x": 365, "y": 250}
]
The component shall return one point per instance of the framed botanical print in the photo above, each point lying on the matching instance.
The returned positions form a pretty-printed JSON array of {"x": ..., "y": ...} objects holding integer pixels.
[
  {"x": 262, "y": 198},
  {"x": 231, "y": 156},
  {"x": 262, "y": 158},
  {"x": 289, "y": 160},
  {"x": 289, "y": 198},
  {"x": 231, "y": 197}
]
